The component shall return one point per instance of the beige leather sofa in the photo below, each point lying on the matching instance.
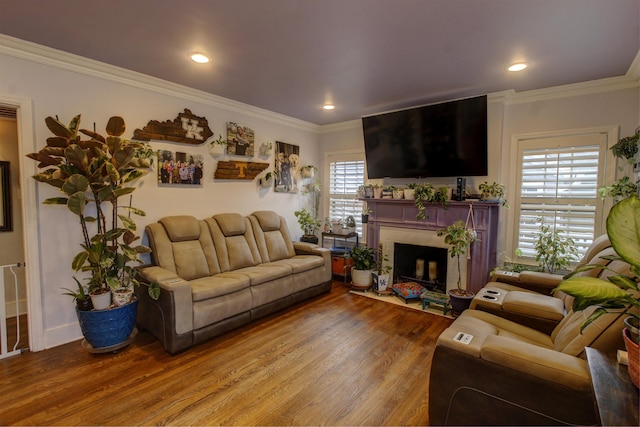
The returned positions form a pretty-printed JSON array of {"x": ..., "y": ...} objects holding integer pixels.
[{"x": 222, "y": 272}]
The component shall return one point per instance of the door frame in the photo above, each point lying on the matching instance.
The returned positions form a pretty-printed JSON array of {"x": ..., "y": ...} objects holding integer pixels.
[{"x": 28, "y": 198}]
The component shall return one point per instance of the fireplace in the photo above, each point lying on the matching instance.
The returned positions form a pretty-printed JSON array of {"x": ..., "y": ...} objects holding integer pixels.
[
  {"x": 399, "y": 215},
  {"x": 426, "y": 265},
  {"x": 425, "y": 245}
]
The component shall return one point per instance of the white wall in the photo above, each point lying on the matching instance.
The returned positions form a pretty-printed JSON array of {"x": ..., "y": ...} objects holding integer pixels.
[{"x": 66, "y": 89}]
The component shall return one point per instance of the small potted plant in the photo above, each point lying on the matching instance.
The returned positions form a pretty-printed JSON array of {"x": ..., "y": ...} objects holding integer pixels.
[
  {"x": 265, "y": 148},
  {"x": 553, "y": 251},
  {"x": 309, "y": 225},
  {"x": 620, "y": 189},
  {"x": 217, "y": 146},
  {"x": 426, "y": 193},
  {"x": 618, "y": 292},
  {"x": 377, "y": 191},
  {"x": 459, "y": 238},
  {"x": 381, "y": 276},
  {"x": 308, "y": 171},
  {"x": 493, "y": 192},
  {"x": 267, "y": 180},
  {"x": 410, "y": 191},
  {"x": 364, "y": 264},
  {"x": 349, "y": 225},
  {"x": 365, "y": 215},
  {"x": 398, "y": 193}
]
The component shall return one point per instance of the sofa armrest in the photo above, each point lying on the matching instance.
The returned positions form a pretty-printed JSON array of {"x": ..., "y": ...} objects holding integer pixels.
[
  {"x": 303, "y": 248},
  {"x": 536, "y": 281},
  {"x": 548, "y": 364},
  {"x": 175, "y": 296}
]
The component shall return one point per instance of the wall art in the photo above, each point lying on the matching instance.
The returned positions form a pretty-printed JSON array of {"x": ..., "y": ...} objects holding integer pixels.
[
  {"x": 240, "y": 140},
  {"x": 287, "y": 166},
  {"x": 233, "y": 169},
  {"x": 177, "y": 168},
  {"x": 186, "y": 128}
]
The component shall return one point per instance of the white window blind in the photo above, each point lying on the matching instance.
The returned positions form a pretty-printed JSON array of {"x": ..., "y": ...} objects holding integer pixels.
[
  {"x": 559, "y": 184},
  {"x": 345, "y": 176}
]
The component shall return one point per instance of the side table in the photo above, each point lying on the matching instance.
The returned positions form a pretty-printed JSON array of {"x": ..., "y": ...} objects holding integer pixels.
[{"x": 616, "y": 396}]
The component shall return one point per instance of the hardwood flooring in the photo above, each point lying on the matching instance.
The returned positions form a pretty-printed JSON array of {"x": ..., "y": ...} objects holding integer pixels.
[{"x": 338, "y": 359}]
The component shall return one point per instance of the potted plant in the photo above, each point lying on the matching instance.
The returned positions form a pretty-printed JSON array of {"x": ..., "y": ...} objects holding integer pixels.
[
  {"x": 459, "y": 238},
  {"x": 618, "y": 292},
  {"x": 553, "y": 251},
  {"x": 217, "y": 146},
  {"x": 365, "y": 215},
  {"x": 627, "y": 148},
  {"x": 308, "y": 171},
  {"x": 97, "y": 172},
  {"x": 620, "y": 189},
  {"x": 80, "y": 296},
  {"x": 265, "y": 148},
  {"x": 381, "y": 276},
  {"x": 410, "y": 191},
  {"x": 267, "y": 180},
  {"x": 309, "y": 225},
  {"x": 426, "y": 193},
  {"x": 363, "y": 265},
  {"x": 349, "y": 225},
  {"x": 377, "y": 191},
  {"x": 398, "y": 193},
  {"x": 493, "y": 192}
]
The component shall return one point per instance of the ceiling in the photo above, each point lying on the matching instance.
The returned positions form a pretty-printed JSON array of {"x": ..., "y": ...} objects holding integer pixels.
[{"x": 364, "y": 56}]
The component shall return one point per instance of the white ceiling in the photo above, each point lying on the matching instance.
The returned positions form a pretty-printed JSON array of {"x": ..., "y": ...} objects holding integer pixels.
[{"x": 365, "y": 56}]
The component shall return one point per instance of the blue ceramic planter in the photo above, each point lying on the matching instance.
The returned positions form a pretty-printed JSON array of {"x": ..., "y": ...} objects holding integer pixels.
[{"x": 107, "y": 328}]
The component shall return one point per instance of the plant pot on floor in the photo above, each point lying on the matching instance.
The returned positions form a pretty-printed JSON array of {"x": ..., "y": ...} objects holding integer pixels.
[
  {"x": 108, "y": 328},
  {"x": 460, "y": 300},
  {"x": 361, "y": 279},
  {"x": 633, "y": 357}
]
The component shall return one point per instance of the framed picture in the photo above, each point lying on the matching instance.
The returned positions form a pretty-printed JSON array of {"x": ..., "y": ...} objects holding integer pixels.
[
  {"x": 287, "y": 166},
  {"x": 240, "y": 140},
  {"x": 177, "y": 168},
  {"x": 5, "y": 209}
]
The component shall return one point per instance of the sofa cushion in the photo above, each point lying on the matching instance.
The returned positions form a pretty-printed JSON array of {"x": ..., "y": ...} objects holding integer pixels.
[
  {"x": 264, "y": 273},
  {"x": 300, "y": 263},
  {"x": 190, "y": 260},
  {"x": 231, "y": 224},
  {"x": 218, "y": 285},
  {"x": 530, "y": 304},
  {"x": 181, "y": 228},
  {"x": 268, "y": 220}
]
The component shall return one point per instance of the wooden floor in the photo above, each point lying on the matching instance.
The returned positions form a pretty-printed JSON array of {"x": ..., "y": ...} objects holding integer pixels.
[{"x": 338, "y": 359}]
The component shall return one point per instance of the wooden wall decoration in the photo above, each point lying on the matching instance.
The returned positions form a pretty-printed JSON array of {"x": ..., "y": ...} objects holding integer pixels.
[
  {"x": 239, "y": 170},
  {"x": 186, "y": 128}
]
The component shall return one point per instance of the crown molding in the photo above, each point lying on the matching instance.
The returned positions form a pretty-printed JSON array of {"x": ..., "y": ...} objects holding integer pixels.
[{"x": 44, "y": 55}]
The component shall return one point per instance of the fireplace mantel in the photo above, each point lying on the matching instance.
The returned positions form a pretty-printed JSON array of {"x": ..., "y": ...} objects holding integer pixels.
[{"x": 402, "y": 213}]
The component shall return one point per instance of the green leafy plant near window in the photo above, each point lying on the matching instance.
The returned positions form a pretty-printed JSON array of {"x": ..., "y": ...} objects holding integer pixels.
[
  {"x": 307, "y": 222},
  {"x": 553, "y": 251},
  {"x": 494, "y": 191},
  {"x": 620, "y": 189},
  {"x": 627, "y": 147},
  {"x": 426, "y": 193}
]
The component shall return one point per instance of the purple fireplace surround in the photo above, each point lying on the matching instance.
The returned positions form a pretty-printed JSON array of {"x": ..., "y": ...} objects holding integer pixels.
[{"x": 401, "y": 213}]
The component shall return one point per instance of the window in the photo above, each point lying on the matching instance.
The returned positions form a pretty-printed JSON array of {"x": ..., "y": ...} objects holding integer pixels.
[
  {"x": 346, "y": 174},
  {"x": 558, "y": 179}
]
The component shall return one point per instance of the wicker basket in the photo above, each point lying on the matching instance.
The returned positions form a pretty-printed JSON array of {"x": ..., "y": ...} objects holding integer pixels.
[{"x": 106, "y": 328}]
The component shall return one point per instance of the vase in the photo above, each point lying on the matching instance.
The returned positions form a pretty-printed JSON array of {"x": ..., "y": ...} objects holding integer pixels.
[
  {"x": 216, "y": 149},
  {"x": 377, "y": 192},
  {"x": 361, "y": 279},
  {"x": 460, "y": 300},
  {"x": 101, "y": 301},
  {"x": 108, "y": 328},
  {"x": 398, "y": 194},
  {"x": 633, "y": 357},
  {"x": 122, "y": 296},
  {"x": 409, "y": 193}
]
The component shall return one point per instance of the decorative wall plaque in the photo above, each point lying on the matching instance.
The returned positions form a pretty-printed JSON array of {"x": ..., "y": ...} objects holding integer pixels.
[
  {"x": 239, "y": 170},
  {"x": 186, "y": 128}
]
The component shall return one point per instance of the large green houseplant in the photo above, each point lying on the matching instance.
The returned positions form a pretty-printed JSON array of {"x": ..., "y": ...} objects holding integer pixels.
[
  {"x": 619, "y": 291},
  {"x": 94, "y": 174},
  {"x": 364, "y": 263}
]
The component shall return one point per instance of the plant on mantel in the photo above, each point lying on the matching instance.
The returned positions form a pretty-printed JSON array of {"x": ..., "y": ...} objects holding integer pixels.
[{"x": 427, "y": 193}]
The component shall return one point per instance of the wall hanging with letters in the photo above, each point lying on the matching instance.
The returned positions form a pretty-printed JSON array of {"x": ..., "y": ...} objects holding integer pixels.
[{"x": 186, "y": 128}]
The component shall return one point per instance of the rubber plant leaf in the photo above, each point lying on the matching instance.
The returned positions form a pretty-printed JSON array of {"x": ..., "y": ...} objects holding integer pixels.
[
  {"x": 77, "y": 203},
  {"x": 58, "y": 129},
  {"x": 56, "y": 201},
  {"x": 116, "y": 126},
  {"x": 77, "y": 157},
  {"x": 74, "y": 184}
]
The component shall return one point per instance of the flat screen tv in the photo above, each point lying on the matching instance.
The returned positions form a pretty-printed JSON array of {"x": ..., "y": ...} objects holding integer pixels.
[{"x": 438, "y": 140}]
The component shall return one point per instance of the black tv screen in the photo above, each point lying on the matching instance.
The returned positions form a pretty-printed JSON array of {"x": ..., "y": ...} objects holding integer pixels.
[{"x": 439, "y": 140}]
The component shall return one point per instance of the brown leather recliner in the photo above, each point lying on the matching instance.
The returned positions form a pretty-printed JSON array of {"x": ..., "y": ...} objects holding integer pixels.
[
  {"x": 528, "y": 297},
  {"x": 487, "y": 370}
]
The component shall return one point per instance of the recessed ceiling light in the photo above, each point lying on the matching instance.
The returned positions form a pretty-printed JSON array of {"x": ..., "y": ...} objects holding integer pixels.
[
  {"x": 518, "y": 66},
  {"x": 328, "y": 107},
  {"x": 200, "y": 58}
]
